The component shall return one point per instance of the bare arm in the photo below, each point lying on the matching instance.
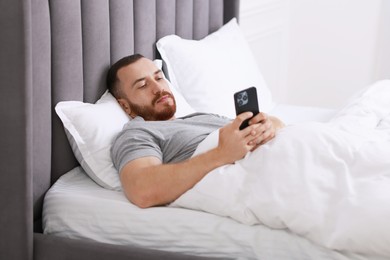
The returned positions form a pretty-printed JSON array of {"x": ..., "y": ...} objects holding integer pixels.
[{"x": 147, "y": 182}]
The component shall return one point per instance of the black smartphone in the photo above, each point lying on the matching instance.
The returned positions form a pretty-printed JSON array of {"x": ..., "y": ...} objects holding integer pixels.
[{"x": 246, "y": 100}]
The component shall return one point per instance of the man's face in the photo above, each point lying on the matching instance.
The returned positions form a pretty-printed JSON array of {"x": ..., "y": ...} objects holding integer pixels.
[{"x": 145, "y": 91}]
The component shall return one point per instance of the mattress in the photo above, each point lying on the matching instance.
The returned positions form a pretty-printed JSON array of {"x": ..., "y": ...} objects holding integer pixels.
[{"x": 76, "y": 207}]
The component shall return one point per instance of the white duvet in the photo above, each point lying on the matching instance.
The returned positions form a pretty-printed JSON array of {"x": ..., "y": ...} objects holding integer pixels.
[{"x": 329, "y": 182}]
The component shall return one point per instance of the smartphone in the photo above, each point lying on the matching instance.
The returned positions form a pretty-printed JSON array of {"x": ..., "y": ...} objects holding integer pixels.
[{"x": 246, "y": 100}]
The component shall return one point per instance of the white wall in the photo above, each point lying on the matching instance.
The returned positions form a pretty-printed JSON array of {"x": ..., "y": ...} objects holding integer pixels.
[
  {"x": 319, "y": 52},
  {"x": 265, "y": 23}
]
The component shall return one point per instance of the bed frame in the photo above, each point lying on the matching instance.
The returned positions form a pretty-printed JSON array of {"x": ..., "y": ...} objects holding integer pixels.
[{"x": 60, "y": 50}]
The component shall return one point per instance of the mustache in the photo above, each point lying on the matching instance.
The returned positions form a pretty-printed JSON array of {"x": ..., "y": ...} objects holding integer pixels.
[{"x": 159, "y": 95}]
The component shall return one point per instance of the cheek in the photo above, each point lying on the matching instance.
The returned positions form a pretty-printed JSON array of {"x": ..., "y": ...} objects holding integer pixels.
[
  {"x": 165, "y": 85},
  {"x": 142, "y": 100}
]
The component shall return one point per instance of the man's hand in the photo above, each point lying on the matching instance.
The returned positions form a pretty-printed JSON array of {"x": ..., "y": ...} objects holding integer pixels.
[
  {"x": 265, "y": 128},
  {"x": 234, "y": 143}
]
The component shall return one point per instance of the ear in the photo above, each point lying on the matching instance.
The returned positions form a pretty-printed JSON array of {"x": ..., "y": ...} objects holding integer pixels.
[{"x": 125, "y": 105}]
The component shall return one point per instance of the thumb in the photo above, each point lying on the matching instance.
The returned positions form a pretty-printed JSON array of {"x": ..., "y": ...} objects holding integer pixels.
[{"x": 241, "y": 118}]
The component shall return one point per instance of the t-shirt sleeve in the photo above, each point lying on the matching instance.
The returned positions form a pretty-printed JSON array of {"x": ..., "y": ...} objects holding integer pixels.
[{"x": 134, "y": 144}]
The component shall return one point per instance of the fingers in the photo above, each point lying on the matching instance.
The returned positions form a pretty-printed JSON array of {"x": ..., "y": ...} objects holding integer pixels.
[
  {"x": 241, "y": 118},
  {"x": 256, "y": 119},
  {"x": 266, "y": 136},
  {"x": 260, "y": 117},
  {"x": 260, "y": 133},
  {"x": 258, "y": 128}
]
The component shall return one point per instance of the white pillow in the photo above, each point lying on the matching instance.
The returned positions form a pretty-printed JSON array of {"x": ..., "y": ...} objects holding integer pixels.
[
  {"x": 90, "y": 129},
  {"x": 209, "y": 71}
]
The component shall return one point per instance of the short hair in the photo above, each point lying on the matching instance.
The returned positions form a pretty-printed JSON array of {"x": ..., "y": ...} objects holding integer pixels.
[{"x": 112, "y": 80}]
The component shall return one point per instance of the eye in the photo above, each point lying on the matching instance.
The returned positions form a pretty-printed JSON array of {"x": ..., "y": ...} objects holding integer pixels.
[
  {"x": 142, "y": 86},
  {"x": 159, "y": 76}
]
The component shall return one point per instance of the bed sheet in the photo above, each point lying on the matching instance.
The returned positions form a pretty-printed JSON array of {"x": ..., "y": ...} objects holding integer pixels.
[{"x": 76, "y": 207}]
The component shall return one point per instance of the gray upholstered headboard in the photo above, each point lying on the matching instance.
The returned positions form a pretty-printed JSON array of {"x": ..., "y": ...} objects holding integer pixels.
[{"x": 60, "y": 50}]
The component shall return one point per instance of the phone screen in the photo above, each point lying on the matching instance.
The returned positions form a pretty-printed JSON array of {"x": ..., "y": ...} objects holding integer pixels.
[{"x": 246, "y": 100}]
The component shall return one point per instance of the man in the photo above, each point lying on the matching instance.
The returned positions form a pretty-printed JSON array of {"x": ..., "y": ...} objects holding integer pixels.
[{"x": 153, "y": 152}]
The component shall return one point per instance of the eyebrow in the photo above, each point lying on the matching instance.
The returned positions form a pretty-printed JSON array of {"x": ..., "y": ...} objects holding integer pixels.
[{"x": 141, "y": 79}]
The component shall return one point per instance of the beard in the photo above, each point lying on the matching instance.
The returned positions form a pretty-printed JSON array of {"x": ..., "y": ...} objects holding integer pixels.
[{"x": 149, "y": 113}]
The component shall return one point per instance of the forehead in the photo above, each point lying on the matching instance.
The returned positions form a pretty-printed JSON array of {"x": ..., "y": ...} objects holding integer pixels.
[{"x": 136, "y": 70}]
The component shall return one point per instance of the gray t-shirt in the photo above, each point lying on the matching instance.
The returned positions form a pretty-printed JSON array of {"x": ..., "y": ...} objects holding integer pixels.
[{"x": 170, "y": 141}]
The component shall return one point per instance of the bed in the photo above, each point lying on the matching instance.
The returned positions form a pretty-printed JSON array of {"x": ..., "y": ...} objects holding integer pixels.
[{"x": 54, "y": 58}]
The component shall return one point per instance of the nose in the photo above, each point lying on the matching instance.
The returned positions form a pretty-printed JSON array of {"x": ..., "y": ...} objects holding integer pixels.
[{"x": 157, "y": 87}]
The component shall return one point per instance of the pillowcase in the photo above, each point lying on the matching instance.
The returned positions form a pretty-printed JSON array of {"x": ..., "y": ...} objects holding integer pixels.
[
  {"x": 91, "y": 129},
  {"x": 208, "y": 72}
]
